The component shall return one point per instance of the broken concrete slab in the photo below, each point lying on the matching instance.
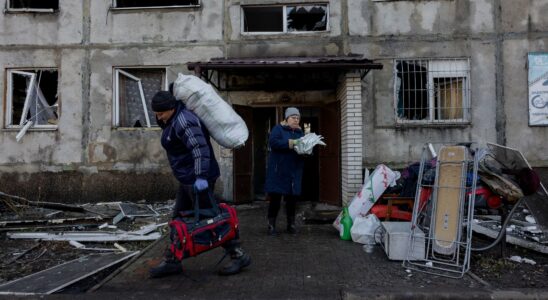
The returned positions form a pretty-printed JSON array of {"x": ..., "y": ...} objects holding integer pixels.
[
  {"x": 54, "y": 279},
  {"x": 485, "y": 229},
  {"x": 84, "y": 236}
]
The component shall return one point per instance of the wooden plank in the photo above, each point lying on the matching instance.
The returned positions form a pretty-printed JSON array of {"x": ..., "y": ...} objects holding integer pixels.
[{"x": 54, "y": 279}]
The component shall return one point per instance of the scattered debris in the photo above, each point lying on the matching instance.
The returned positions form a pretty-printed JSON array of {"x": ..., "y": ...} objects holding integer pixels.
[
  {"x": 84, "y": 236},
  {"x": 54, "y": 279},
  {"x": 69, "y": 233},
  {"x": 520, "y": 259},
  {"x": 515, "y": 234}
]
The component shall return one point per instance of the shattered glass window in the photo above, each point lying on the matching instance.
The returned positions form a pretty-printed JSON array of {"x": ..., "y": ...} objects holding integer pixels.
[
  {"x": 298, "y": 18},
  {"x": 307, "y": 18},
  {"x": 33, "y": 96}
]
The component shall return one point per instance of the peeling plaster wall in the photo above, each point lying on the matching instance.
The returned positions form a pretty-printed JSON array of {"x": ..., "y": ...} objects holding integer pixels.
[
  {"x": 85, "y": 159},
  {"x": 153, "y": 26},
  {"x": 495, "y": 35},
  {"x": 61, "y": 28}
]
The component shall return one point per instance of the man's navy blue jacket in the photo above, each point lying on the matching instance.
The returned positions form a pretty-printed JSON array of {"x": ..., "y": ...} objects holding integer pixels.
[
  {"x": 188, "y": 148},
  {"x": 285, "y": 167}
]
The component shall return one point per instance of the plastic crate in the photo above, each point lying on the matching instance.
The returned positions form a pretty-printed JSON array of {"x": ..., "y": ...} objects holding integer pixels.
[{"x": 395, "y": 241}]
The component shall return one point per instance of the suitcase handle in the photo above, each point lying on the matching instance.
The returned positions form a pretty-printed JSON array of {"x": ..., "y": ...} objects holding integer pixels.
[{"x": 212, "y": 201}]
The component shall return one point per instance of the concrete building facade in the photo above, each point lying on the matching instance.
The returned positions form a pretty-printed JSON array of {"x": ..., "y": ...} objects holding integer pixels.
[{"x": 91, "y": 151}]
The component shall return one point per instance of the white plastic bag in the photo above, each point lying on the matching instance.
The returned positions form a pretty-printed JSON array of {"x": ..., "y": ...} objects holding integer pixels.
[
  {"x": 307, "y": 143},
  {"x": 226, "y": 127},
  {"x": 364, "y": 228}
]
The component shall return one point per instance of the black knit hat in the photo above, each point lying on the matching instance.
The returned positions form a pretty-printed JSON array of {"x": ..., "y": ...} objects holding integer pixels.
[{"x": 163, "y": 101}]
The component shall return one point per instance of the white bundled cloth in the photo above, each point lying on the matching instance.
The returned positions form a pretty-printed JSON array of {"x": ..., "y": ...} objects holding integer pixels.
[
  {"x": 373, "y": 187},
  {"x": 226, "y": 127},
  {"x": 307, "y": 143}
]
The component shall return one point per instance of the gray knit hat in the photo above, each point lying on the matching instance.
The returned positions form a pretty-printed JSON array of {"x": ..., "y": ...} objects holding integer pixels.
[{"x": 290, "y": 111}]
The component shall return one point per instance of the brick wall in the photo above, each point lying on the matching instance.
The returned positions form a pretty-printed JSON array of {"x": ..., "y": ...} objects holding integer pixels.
[{"x": 349, "y": 94}]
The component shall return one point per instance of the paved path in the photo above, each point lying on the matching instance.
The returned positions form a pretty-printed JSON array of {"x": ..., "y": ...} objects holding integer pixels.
[{"x": 314, "y": 264}]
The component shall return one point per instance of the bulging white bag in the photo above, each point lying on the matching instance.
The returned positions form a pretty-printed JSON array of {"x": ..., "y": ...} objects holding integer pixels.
[
  {"x": 225, "y": 126},
  {"x": 364, "y": 228}
]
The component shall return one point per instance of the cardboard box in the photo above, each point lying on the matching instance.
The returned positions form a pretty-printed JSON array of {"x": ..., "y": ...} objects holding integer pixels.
[{"x": 395, "y": 241}]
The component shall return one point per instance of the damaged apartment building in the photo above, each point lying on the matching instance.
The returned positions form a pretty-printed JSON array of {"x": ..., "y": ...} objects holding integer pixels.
[{"x": 377, "y": 78}]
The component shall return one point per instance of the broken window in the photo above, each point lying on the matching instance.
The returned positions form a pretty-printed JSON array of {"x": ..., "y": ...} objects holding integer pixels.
[
  {"x": 32, "y": 98},
  {"x": 283, "y": 19},
  {"x": 153, "y": 3},
  {"x": 33, "y": 5},
  {"x": 432, "y": 90},
  {"x": 134, "y": 89}
]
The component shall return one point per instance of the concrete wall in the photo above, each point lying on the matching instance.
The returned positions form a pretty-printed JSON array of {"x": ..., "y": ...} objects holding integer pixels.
[
  {"x": 86, "y": 159},
  {"x": 495, "y": 35}
]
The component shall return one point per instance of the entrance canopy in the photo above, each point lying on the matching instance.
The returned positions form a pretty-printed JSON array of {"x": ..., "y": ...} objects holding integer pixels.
[{"x": 272, "y": 69}]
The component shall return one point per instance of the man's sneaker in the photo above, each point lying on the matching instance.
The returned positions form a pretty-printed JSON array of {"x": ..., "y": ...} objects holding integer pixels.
[
  {"x": 236, "y": 265},
  {"x": 166, "y": 268}
]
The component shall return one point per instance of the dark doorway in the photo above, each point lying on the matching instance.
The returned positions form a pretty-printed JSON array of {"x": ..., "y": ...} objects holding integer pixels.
[
  {"x": 265, "y": 119},
  {"x": 321, "y": 174},
  {"x": 310, "y": 184}
]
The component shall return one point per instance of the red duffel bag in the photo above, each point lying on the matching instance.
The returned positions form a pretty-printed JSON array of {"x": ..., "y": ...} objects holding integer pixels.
[{"x": 200, "y": 230}]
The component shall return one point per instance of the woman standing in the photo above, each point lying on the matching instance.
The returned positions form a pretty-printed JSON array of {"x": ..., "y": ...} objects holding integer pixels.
[{"x": 285, "y": 169}]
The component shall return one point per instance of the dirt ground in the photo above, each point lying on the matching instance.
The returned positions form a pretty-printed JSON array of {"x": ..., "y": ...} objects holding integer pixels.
[{"x": 500, "y": 272}]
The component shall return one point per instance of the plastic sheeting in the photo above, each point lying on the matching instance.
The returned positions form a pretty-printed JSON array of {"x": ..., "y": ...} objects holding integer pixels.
[{"x": 307, "y": 143}]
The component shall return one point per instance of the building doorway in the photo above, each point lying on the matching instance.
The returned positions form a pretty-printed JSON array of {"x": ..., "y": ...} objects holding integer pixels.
[{"x": 321, "y": 180}]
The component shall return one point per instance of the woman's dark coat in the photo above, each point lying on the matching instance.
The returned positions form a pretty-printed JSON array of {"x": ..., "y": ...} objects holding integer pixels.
[{"x": 285, "y": 167}]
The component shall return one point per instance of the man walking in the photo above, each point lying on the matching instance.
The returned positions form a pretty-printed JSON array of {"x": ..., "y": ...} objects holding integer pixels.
[{"x": 191, "y": 157}]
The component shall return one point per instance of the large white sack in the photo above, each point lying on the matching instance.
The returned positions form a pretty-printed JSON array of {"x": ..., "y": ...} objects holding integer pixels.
[
  {"x": 226, "y": 127},
  {"x": 374, "y": 186}
]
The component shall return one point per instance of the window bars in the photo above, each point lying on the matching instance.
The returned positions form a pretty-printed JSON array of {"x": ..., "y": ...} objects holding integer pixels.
[{"x": 432, "y": 91}]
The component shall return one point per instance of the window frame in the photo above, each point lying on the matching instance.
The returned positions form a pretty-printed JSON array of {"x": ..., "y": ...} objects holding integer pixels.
[
  {"x": 9, "y": 122},
  {"x": 122, "y": 70},
  {"x": 114, "y": 6},
  {"x": 9, "y": 9},
  {"x": 431, "y": 76},
  {"x": 284, "y": 20}
]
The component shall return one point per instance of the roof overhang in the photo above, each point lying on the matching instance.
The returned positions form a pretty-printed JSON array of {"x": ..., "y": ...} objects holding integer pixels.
[{"x": 281, "y": 64}]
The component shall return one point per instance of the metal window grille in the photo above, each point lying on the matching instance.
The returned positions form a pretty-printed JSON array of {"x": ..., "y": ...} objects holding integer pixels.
[{"x": 432, "y": 91}]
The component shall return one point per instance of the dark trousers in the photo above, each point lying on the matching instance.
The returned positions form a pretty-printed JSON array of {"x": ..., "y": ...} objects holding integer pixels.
[
  {"x": 275, "y": 203},
  {"x": 186, "y": 196}
]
